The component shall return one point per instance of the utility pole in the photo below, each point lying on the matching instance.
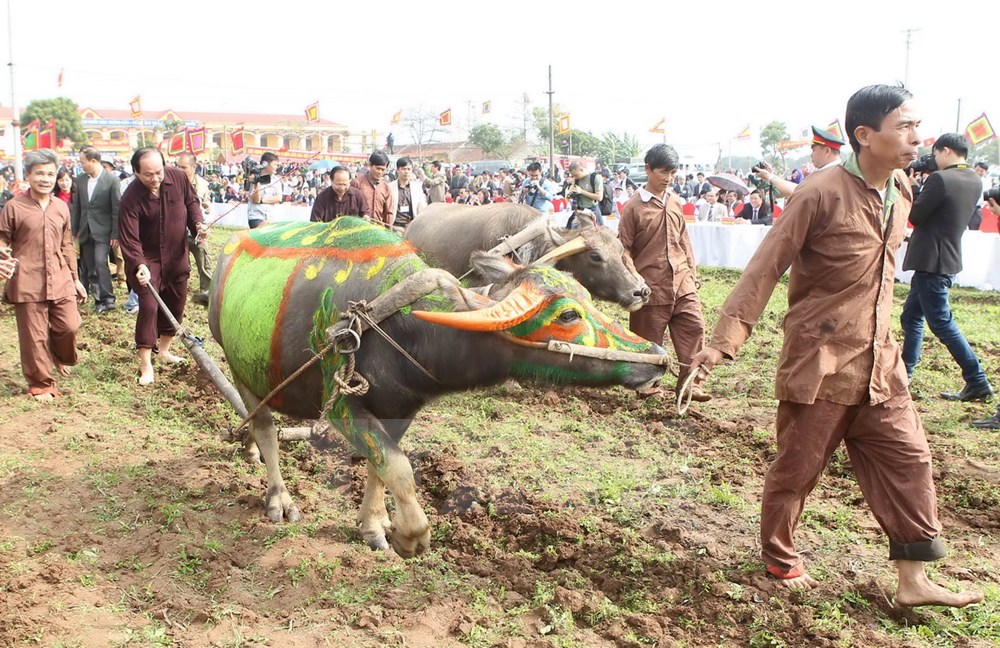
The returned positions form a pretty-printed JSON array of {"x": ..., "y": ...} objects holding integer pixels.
[
  {"x": 468, "y": 103},
  {"x": 958, "y": 116},
  {"x": 16, "y": 120},
  {"x": 552, "y": 156},
  {"x": 906, "y": 74},
  {"x": 525, "y": 102}
]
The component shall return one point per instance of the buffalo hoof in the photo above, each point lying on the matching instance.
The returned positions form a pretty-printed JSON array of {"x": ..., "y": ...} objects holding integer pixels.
[
  {"x": 410, "y": 546},
  {"x": 280, "y": 506},
  {"x": 376, "y": 542}
]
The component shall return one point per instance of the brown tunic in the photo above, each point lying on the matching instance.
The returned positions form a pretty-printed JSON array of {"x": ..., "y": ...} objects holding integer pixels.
[
  {"x": 43, "y": 245},
  {"x": 328, "y": 206},
  {"x": 655, "y": 236},
  {"x": 376, "y": 198},
  {"x": 154, "y": 230},
  {"x": 837, "y": 343}
]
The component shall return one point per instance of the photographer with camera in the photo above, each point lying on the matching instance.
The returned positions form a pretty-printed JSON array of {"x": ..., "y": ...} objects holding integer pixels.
[
  {"x": 538, "y": 192},
  {"x": 940, "y": 215},
  {"x": 825, "y": 154},
  {"x": 586, "y": 190},
  {"x": 264, "y": 188}
]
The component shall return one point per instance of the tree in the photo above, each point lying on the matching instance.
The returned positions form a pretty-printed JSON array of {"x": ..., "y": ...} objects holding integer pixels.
[
  {"x": 170, "y": 126},
  {"x": 487, "y": 137},
  {"x": 423, "y": 125},
  {"x": 614, "y": 148},
  {"x": 988, "y": 152},
  {"x": 67, "y": 116},
  {"x": 540, "y": 120},
  {"x": 770, "y": 135}
]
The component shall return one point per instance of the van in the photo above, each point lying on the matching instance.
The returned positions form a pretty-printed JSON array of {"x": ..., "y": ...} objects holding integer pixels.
[{"x": 490, "y": 166}]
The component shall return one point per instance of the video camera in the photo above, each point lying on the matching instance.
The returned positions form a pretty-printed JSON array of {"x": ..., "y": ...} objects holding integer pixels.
[
  {"x": 923, "y": 164},
  {"x": 251, "y": 174},
  {"x": 993, "y": 194}
]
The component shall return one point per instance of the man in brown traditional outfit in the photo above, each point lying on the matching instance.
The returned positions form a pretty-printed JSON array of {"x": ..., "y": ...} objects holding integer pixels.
[
  {"x": 339, "y": 199},
  {"x": 39, "y": 263},
  {"x": 654, "y": 234},
  {"x": 841, "y": 377},
  {"x": 155, "y": 216},
  {"x": 375, "y": 189}
]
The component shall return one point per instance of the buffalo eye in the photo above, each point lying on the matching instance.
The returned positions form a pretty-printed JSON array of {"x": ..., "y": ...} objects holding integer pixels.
[
  {"x": 569, "y": 316},
  {"x": 596, "y": 257}
]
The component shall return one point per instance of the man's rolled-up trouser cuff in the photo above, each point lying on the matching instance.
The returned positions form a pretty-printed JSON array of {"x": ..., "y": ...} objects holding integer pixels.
[{"x": 924, "y": 551}]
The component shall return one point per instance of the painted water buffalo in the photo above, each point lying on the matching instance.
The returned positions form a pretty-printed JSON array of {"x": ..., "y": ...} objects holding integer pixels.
[
  {"x": 279, "y": 288},
  {"x": 448, "y": 235}
]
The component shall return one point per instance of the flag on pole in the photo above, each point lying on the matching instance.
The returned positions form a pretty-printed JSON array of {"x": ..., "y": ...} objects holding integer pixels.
[
  {"x": 834, "y": 129},
  {"x": 136, "y": 107},
  {"x": 445, "y": 118},
  {"x": 312, "y": 113},
  {"x": 929, "y": 141},
  {"x": 237, "y": 139},
  {"x": 564, "y": 126},
  {"x": 178, "y": 143},
  {"x": 60, "y": 81},
  {"x": 744, "y": 134},
  {"x": 658, "y": 128},
  {"x": 397, "y": 117},
  {"x": 196, "y": 140},
  {"x": 486, "y": 107},
  {"x": 979, "y": 130}
]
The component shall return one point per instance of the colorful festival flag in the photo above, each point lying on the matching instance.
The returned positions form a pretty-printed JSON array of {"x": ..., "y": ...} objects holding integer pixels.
[
  {"x": 486, "y": 107},
  {"x": 834, "y": 128},
  {"x": 979, "y": 130},
  {"x": 237, "y": 140},
  {"x": 445, "y": 118},
  {"x": 658, "y": 128},
  {"x": 178, "y": 143},
  {"x": 60, "y": 81},
  {"x": 196, "y": 140},
  {"x": 136, "y": 107},
  {"x": 396, "y": 117},
  {"x": 30, "y": 140},
  {"x": 312, "y": 113},
  {"x": 744, "y": 134},
  {"x": 47, "y": 136},
  {"x": 929, "y": 141},
  {"x": 564, "y": 126}
]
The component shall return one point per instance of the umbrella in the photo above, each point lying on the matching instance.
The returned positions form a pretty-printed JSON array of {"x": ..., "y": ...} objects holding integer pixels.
[
  {"x": 322, "y": 165},
  {"x": 729, "y": 182}
]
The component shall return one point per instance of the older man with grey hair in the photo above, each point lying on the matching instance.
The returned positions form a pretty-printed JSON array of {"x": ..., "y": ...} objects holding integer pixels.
[{"x": 39, "y": 266}]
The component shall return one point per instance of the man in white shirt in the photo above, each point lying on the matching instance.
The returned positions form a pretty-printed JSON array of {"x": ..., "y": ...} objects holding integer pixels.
[{"x": 406, "y": 195}]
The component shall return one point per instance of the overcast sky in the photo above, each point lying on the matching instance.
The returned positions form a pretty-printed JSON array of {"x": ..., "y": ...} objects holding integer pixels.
[{"x": 708, "y": 68}]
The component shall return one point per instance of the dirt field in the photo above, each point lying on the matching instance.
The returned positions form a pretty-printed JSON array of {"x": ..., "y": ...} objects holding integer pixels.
[{"x": 561, "y": 517}]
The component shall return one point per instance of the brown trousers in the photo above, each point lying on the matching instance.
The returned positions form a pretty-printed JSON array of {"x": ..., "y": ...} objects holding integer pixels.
[
  {"x": 891, "y": 460},
  {"x": 46, "y": 331},
  {"x": 151, "y": 323},
  {"x": 686, "y": 323}
]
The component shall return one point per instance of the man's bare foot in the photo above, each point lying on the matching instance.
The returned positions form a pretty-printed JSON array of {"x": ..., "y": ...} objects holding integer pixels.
[
  {"x": 62, "y": 369},
  {"x": 916, "y": 589},
  {"x": 45, "y": 397},
  {"x": 146, "y": 374},
  {"x": 803, "y": 582},
  {"x": 170, "y": 358}
]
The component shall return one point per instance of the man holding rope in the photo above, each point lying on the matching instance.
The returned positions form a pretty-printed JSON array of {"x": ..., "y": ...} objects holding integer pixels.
[
  {"x": 155, "y": 215},
  {"x": 840, "y": 376}
]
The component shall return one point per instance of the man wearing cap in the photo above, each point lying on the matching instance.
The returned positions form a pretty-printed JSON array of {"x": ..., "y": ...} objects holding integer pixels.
[
  {"x": 825, "y": 154},
  {"x": 94, "y": 222}
]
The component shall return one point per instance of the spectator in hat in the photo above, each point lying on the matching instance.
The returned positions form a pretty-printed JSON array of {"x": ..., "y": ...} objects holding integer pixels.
[{"x": 825, "y": 154}]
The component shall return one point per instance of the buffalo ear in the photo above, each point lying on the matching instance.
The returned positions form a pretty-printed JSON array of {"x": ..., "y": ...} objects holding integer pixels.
[
  {"x": 492, "y": 267},
  {"x": 585, "y": 218}
]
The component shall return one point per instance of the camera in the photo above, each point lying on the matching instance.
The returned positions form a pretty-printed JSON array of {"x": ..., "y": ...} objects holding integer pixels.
[
  {"x": 760, "y": 166},
  {"x": 992, "y": 194},
  {"x": 251, "y": 174},
  {"x": 923, "y": 164}
]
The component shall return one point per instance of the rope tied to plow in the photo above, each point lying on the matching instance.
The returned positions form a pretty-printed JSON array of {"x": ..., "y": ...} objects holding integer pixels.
[{"x": 347, "y": 382}]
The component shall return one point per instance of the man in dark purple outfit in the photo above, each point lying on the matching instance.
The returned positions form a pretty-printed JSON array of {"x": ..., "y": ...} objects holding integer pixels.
[{"x": 155, "y": 216}]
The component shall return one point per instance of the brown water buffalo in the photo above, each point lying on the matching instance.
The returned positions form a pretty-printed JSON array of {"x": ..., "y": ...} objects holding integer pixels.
[
  {"x": 448, "y": 235},
  {"x": 279, "y": 289}
]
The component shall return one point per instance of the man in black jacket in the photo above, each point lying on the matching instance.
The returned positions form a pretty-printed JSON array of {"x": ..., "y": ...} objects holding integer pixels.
[{"x": 940, "y": 215}]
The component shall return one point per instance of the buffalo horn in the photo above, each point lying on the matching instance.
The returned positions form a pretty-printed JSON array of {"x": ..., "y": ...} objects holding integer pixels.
[
  {"x": 523, "y": 302},
  {"x": 574, "y": 246}
]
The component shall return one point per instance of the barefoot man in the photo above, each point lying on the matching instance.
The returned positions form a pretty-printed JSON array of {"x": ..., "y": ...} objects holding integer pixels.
[
  {"x": 840, "y": 376},
  {"x": 38, "y": 261},
  {"x": 154, "y": 217}
]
